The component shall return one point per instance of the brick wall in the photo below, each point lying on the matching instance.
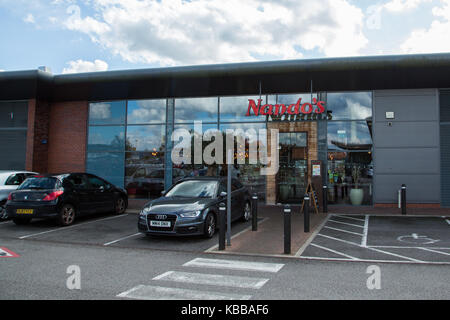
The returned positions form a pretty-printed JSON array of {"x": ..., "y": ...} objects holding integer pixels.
[
  {"x": 67, "y": 137},
  {"x": 37, "y": 136}
]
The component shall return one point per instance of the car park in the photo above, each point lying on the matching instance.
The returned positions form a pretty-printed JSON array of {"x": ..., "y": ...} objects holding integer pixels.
[
  {"x": 10, "y": 181},
  {"x": 190, "y": 207},
  {"x": 149, "y": 182},
  {"x": 64, "y": 197}
]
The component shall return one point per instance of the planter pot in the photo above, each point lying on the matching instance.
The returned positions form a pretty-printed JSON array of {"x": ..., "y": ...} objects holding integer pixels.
[{"x": 356, "y": 196}]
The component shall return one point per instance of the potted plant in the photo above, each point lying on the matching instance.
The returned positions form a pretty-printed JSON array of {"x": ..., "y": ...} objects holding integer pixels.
[{"x": 356, "y": 194}]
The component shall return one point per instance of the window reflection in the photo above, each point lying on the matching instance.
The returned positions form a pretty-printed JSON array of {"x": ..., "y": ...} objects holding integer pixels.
[
  {"x": 106, "y": 138},
  {"x": 350, "y": 105},
  {"x": 146, "y": 138},
  {"x": 146, "y": 111},
  {"x": 107, "y": 112},
  {"x": 234, "y": 109},
  {"x": 108, "y": 165},
  {"x": 204, "y": 109},
  {"x": 349, "y": 135}
]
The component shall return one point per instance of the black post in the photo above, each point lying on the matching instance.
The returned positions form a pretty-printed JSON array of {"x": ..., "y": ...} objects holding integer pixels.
[
  {"x": 255, "y": 212},
  {"x": 325, "y": 199},
  {"x": 403, "y": 199},
  {"x": 287, "y": 229},
  {"x": 222, "y": 218},
  {"x": 306, "y": 213}
]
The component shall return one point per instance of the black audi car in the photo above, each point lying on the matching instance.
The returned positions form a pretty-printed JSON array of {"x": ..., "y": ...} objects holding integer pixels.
[
  {"x": 191, "y": 207},
  {"x": 64, "y": 197}
]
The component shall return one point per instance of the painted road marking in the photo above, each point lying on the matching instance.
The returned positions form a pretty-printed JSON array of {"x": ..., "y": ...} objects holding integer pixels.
[
  {"x": 348, "y": 224},
  {"x": 213, "y": 279},
  {"x": 355, "y": 233},
  {"x": 234, "y": 265},
  {"x": 144, "y": 292},
  {"x": 373, "y": 249},
  {"x": 448, "y": 221},
  {"x": 127, "y": 237},
  {"x": 352, "y": 218},
  {"x": 334, "y": 251},
  {"x": 427, "y": 249},
  {"x": 5, "y": 222},
  {"x": 70, "y": 227},
  {"x": 6, "y": 253}
]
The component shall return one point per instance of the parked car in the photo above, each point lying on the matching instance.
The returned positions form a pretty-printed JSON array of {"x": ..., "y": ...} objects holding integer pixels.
[
  {"x": 10, "y": 181},
  {"x": 64, "y": 197},
  {"x": 190, "y": 207},
  {"x": 149, "y": 182}
]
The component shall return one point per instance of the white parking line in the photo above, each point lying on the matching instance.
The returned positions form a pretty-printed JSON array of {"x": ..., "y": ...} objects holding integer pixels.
[
  {"x": 213, "y": 279},
  {"x": 355, "y": 233},
  {"x": 70, "y": 227},
  {"x": 373, "y": 249},
  {"x": 5, "y": 222},
  {"x": 127, "y": 237},
  {"x": 143, "y": 292},
  {"x": 352, "y": 218},
  {"x": 334, "y": 251},
  {"x": 427, "y": 249},
  {"x": 448, "y": 221},
  {"x": 348, "y": 224},
  {"x": 234, "y": 265}
]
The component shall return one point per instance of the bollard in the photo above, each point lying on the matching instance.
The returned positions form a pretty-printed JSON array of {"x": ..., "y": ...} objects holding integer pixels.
[
  {"x": 306, "y": 213},
  {"x": 325, "y": 199},
  {"x": 403, "y": 199},
  {"x": 255, "y": 212},
  {"x": 222, "y": 218},
  {"x": 287, "y": 229}
]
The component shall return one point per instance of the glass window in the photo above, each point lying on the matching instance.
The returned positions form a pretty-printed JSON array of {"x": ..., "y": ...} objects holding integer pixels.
[
  {"x": 95, "y": 182},
  {"x": 144, "y": 174},
  {"x": 77, "y": 180},
  {"x": 236, "y": 108},
  {"x": 149, "y": 138},
  {"x": 106, "y": 138},
  {"x": 350, "y": 176},
  {"x": 349, "y": 135},
  {"x": 107, "y": 165},
  {"x": 146, "y": 111},
  {"x": 107, "y": 112},
  {"x": 193, "y": 188},
  {"x": 14, "y": 114},
  {"x": 204, "y": 109},
  {"x": 14, "y": 180},
  {"x": 350, "y": 105}
]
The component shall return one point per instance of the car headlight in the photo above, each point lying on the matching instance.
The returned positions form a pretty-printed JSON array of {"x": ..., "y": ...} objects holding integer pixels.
[
  {"x": 145, "y": 210},
  {"x": 191, "y": 214}
]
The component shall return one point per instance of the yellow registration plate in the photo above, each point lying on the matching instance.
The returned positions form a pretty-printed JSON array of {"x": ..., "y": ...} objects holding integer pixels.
[{"x": 24, "y": 211}]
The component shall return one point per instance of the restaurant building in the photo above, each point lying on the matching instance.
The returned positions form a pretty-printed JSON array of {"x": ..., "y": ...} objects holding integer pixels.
[{"x": 363, "y": 126}]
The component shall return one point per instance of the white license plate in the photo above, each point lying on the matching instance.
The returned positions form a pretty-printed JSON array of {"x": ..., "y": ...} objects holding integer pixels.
[{"x": 164, "y": 224}]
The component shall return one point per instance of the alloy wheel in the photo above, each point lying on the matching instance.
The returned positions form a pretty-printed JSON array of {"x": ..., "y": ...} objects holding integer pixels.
[
  {"x": 247, "y": 211},
  {"x": 210, "y": 225},
  {"x": 120, "y": 206},
  {"x": 68, "y": 215}
]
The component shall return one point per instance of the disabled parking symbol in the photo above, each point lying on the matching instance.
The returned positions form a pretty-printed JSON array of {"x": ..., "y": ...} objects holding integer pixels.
[
  {"x": 414, "y": 238},
  {"x": 6, "y": 253}
]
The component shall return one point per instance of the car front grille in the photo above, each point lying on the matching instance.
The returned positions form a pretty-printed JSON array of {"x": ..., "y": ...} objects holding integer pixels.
[{"x": 158, "y": 217}]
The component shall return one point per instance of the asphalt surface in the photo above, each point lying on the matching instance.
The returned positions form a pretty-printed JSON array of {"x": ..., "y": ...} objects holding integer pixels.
[
  {"x": 138, "y": 266},
  {"x": 400, "y": 239}
]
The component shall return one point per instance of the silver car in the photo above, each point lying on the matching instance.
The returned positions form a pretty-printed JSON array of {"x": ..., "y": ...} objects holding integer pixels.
[{"x": 10, "y": 181}]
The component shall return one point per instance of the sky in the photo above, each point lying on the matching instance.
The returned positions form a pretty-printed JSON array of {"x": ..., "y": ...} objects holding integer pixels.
[{"x": 71, "y": 36}]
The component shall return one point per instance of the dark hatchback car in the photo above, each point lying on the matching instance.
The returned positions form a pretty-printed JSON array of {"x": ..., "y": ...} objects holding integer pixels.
[
  {"x": 64, "y": 197},
  {"x": 191, "y": 207}
]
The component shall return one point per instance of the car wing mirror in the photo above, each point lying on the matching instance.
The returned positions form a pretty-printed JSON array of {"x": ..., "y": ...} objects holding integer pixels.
[
  {"x": 223, "y": 194},
  {"x": 163, "y": 193}
]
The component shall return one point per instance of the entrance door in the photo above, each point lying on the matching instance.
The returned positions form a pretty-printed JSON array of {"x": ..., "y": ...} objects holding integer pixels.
[{"x": 292, "y": 177}]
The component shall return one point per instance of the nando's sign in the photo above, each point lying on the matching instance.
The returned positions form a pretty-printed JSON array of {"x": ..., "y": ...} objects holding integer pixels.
[{"x": 314, "y": 110}]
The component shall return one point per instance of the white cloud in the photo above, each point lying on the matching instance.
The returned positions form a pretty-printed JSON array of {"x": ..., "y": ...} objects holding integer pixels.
[
  {"x": 433, "y": 39},
  {"x": 174, "y": 32},
  {"x": 29, "y": 18},
  {"x": 85, "y": 66},
  {"x": 403, "y": 5}
]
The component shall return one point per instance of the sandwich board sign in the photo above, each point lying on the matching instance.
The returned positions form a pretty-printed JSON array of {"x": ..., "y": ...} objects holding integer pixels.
[{"x": 6, "y": 253}]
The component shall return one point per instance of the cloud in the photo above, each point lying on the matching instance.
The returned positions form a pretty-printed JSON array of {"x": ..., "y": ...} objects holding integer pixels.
[
  {"x": 29, "y": 18},
  {"x": 85, "y": 66},
  {"x": 175, "y": 32},
  {"x": 403, "y": 5},
  {"x": 433, "y": 39}
]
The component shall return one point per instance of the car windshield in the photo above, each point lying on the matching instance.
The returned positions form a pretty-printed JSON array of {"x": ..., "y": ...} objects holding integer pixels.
[
  {"x": 39, "y": 183},
  {"x": 193, "y": 189}
]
